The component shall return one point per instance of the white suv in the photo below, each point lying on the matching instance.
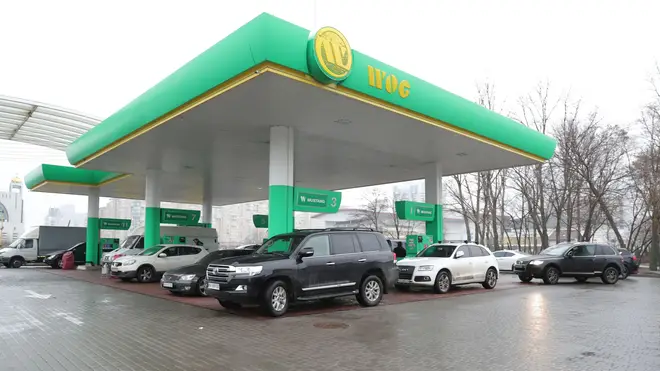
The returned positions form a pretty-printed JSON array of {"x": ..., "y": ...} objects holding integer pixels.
[
  {"x": 154, "y": 261},
  {"x": 444, "y": 265}
]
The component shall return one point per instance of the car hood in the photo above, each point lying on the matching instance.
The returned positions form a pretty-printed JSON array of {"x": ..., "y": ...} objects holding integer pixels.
[
  {"x": 122, "y": 259},
  {"x": 60, "y": 252},
  {"x": 528, "y": 259},
  {"x": 197, "y": 269},
  {"x": 420, "y": 261},
  {"x": 250, "y": 259}
]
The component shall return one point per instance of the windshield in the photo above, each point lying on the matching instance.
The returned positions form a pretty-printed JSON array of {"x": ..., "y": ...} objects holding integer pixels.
[
  {"x": 556, "y": 250},
  {"x": 280, "y": 245},
  {"x": 437, "y": 251},
  {"x": 16, "y": 243},
  {"x": 151, "y": 251},
  {"x": 129, "y": 242},
  {"x": 208, "y": 259}
]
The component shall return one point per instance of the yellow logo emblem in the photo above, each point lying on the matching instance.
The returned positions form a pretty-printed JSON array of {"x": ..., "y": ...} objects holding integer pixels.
[{"x": 331, "y": 55}]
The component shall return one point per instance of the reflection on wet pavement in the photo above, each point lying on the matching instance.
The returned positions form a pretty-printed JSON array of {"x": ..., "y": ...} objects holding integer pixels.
[{"x": 50, "y": 322}]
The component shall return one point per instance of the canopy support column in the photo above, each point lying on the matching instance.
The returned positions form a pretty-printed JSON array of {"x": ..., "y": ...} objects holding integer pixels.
[
  {"x": 281, "y": 181},
  {"x": 152, "y": 211},
  {"x": 207, "y": 201},
  {"x": 433, "y": 194},
  {"x": 93, "y": 227}
]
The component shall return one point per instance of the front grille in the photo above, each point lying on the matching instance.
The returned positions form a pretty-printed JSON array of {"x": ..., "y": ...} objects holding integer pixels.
[
  {"x": 219, "y": 273},
  {"x": 170, "y": 277},
  {"x": 406, "y": 272}
]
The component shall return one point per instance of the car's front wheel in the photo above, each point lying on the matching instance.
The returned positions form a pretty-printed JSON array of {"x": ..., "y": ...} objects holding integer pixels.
[
  {"x": 201, "y": 286},
  {"x": 16, "y": 262},
  {"x": 551, "y": 276},
  {"x": 276, "y": 298},
  {"x": 610, "y": 275},
  {"x": 371, "y": 292},
  {"x": 145, "y": 274},
  {"x": 442, "y": 282},
  {"x": 491, "y": 279}
]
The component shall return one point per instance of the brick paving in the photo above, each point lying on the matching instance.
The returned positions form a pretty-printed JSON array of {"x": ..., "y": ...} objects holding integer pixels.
[{"x": 51, "y": 322}]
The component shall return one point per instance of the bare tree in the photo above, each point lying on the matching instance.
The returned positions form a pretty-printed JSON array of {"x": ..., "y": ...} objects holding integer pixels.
[{"x": 375, "y": 205}]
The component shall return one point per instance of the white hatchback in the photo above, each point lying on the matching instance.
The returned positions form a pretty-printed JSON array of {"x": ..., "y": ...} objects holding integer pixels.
[
  {"x": 442, "y": 266},
  {"x": 154, "y": 261}
]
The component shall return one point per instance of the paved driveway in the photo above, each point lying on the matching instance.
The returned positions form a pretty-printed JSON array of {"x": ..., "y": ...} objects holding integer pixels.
[{"x": 51, "y": 322}]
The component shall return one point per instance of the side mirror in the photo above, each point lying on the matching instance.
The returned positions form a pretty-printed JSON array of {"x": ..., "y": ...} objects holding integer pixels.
[
  {"x": 570, "y": 254},
  {"x": 306, "y": 252},
  {"x": 162, "y": 255},
  {"x": 459, "y": 254}
]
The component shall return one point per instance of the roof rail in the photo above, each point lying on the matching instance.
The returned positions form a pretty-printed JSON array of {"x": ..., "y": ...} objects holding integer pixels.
[
  {"x": 350, "y": 229},
  {"x": 458, "y": 241}
]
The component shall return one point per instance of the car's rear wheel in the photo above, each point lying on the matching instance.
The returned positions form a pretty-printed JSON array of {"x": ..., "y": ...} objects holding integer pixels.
[
  {"x": 275, "y": 301},
  {"x": 491, "y": 279},
  {"x": 551, "y": 276},
  {"x": 625, "y": 272},
  {"x": 229, "y": 304},
  {"x": 581, "y": 279},
  {"x": 524, "y": 278},
  {"x": 145, "y": 274},
  {"x": 610, "y": 275},
  {"x": 371, "y": 292},
  {"x": 442, "y": 282}
]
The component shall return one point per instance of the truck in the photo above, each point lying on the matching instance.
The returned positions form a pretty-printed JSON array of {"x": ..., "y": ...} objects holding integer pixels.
[{"x": 37, "y": 243}]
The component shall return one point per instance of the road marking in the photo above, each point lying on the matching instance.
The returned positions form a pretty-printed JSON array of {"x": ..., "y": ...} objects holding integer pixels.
[
  {"x": 32, "y": 294},
  {"x": 71, "y": 319}
]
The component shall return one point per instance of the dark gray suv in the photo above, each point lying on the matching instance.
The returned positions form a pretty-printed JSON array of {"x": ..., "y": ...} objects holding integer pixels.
[{"x": 306, "y": 265}]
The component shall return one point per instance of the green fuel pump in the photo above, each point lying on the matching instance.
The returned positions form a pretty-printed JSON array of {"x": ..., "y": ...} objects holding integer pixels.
[
  {"x": 173, "y": 239},
  {"x": 108, "y": 244},
  {"x": 416, "y": 243}
]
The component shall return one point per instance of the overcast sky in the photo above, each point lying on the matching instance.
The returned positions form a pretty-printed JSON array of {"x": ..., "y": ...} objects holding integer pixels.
[{"x": 96, "y": 56}]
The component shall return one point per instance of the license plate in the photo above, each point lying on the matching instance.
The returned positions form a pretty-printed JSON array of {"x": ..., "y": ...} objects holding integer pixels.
[
  {"x": 519, "y": 267},
  {"x": 168, "y": 284},
  {"x": 213, "y": 286}
]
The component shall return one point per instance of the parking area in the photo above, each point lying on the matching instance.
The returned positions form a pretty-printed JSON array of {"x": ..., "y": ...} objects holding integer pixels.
[{"x": 52, "y": 322}]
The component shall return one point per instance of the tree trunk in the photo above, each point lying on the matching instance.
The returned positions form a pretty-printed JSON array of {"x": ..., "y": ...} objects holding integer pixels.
[{"x": 655, "y": 239}]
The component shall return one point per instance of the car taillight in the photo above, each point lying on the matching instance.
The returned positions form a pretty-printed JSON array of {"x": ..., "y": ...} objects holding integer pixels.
[
  {"x": 394, "y": 256},
  {"x": 634, "y": 258}
]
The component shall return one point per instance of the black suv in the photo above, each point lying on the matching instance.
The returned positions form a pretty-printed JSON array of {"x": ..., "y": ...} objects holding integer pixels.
[
  {"x": 306, "y": 265},
  {"x": 580, "y": 260}
]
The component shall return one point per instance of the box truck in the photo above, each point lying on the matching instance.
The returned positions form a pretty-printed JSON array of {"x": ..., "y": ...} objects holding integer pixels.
[{"x": 37, "y": 243}]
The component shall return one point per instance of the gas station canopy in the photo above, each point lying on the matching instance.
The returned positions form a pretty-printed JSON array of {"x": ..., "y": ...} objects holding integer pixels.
[
  {"x": 41, "y": 124},
  {"x": 360, "y": 123}
]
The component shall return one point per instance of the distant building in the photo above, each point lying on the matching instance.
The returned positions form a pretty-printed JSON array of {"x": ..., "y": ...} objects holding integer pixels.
[
  {"x": 11, "y": 212},
  {"x": 65, "y": 215}
]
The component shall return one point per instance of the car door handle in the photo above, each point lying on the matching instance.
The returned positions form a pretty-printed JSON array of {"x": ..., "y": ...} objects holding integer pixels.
[
  {"x": 362, "y": 260},
  {"x": 330, "y": 263}
]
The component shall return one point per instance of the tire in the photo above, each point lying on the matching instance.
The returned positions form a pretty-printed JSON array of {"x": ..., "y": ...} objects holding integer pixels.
[
  {"x": 491, "y": 279},
  {"x": 442, "y": 283},
  {"x": 201, "y": 287},
  {"x": 404, "y": 288},
  {"x": 581, "y": 279},
  {"x": 610, "y": 276},
  {"x": 371, "y": 292},
  {"x": 275, "y": 301},
  {"x": 525, "y": 279},
  {"x": 551, "y": 276},
  {"x": 229, "y": 304},
  {"x": 626, "y": 272},
  {"x": 16, "y": 263},
  {"x": 145, "y": 274},
  {"x": 57, "y": 264}
]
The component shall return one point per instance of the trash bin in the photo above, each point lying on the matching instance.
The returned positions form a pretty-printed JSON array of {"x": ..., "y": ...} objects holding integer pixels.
[{"x": 68, "y": 261}]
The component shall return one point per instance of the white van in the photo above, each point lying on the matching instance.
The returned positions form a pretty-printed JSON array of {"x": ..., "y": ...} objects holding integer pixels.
[{"x": 134, "y": 243}]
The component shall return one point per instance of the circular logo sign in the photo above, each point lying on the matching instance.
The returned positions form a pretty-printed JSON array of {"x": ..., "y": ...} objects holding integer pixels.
[{"x": 329, "y": 56}]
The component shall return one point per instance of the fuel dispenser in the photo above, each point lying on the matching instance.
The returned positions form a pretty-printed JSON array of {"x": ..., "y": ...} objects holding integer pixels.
[
  {"x": 168, "y": 240},
  {"x": 108, "y": 244},
  {"x": 416, "y": 243}
]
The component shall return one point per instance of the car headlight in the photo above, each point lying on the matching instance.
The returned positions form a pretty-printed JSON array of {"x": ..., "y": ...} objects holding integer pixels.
[
  {"x": 187, "y": 277},
  {"x": 252, "y": 271},
  {"x": 129, "y": 262},
  {"x": 536, "y": 262},
  {"x": 425, "y": 268}
]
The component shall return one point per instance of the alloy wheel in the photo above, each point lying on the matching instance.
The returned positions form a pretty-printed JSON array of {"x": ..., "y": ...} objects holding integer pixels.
[
  {"x": 145, "y": 275},
  {"x": 443, "y": 282},
  {"x": 492, "y": 279},
  {"x": 611, "y": 275},
  {"x": 372, "y": 291},
  {"x": 202, "y": 286},
  {"x": 278, "y": 299}
]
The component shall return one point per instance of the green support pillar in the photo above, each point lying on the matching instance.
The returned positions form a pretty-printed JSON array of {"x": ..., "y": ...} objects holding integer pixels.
[
  {"x": 92, "y": 241},
  {"x": 434, "y": 228},
  {"x": 151, "y": 226},
  {"x": 280, "y": 210}
]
